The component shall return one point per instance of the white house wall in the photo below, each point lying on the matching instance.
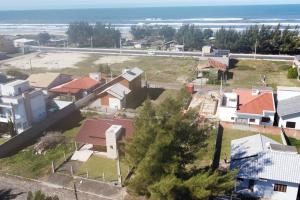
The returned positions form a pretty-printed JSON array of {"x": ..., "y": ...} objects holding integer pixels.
[
  {"x": 265, "y": 189},
  {"x": 227, "y": 114},
  {"x": 290, "y": 118}
]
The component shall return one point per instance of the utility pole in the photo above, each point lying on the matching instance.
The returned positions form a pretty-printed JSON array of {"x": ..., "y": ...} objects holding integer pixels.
[
  {"x": 119, "y": 167},
  {"x": 255, "y": 49},
  {"x": 91, "y": 41},
  {"x": 120, "y": 45}
]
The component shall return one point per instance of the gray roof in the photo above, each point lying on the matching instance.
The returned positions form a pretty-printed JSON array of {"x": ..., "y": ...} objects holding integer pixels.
[
  {"x": 132, "y": 73},
  {"x": 249, "y": 146},
  {"x": 118, "y": 90},
  {"x": 289, "y": 106},
  {"x": 259, "y": 157},
  {"x": 271, "y": 165},
  {"x": 283, "y": 148}
]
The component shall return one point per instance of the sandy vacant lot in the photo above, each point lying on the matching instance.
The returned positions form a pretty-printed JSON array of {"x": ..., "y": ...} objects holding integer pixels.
[
  {"x": 114, "y": 59},
  {"x": 45, "y": 60},
  {"x": 55, "y": 61}
]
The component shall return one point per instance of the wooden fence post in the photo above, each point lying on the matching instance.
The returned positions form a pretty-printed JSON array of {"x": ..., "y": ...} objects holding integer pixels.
[{"x": 53, "y": 168}]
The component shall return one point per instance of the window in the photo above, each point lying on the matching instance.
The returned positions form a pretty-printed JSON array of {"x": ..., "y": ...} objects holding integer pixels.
[
  {"x": 252, "y": 120},
  {"x": 290, "y": 124},
  {"x": 280, "y": 188},
  {"x": 251, "y": 185},
  {"x": 232, "y": 118},
  {"x": 265, "y": 119}
]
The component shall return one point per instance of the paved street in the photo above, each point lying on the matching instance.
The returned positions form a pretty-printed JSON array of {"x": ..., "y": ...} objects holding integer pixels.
[
  {"x": 16, "y": 188},
  {"x": 159, "y": 53}
]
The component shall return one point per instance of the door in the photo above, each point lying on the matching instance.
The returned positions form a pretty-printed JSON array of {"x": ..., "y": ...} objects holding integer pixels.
[{"x": 115, "y": 103}]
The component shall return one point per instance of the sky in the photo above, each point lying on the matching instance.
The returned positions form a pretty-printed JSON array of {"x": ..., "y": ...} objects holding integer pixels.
[{"x": 66, "y": 4}]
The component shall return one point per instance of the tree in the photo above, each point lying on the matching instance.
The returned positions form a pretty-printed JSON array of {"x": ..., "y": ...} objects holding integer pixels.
[
  {"x": 192, "y": 37},
  {"x": 44, "y": 38},
  {"x": 7, "y": 45},
  {"x": 80, "y": 33},
  {"x": 38, "y": 195},
  {"x": 141, "y": 32},
  {"x": 164, "y": 150},
  {"x": 168, "y": 33},
  {"x": 106, "y": 36},
  {"x": 292, "y": 73},
  {"x": 11, "y": 128}
]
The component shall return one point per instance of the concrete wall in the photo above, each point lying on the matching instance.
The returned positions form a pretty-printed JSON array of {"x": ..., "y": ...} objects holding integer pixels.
[{"x": 38, "y": 108}]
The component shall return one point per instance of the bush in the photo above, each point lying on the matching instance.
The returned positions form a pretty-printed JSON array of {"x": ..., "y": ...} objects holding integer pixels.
[
  {"x": 16, "y": 73},
  {"x": 292, "y": 73}
]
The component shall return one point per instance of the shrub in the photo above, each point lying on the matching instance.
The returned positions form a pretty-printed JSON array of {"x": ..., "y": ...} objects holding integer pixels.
[
  {"x": 292, "y": 73},
  {"x": 17, "y": 74}
]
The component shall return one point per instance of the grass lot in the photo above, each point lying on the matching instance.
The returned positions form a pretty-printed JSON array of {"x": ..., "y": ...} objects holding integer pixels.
[
  {"x": 231, "y": 134},
  {"x": 27, "y": 164},
  {"x": 2, "y": 140},
  {"x": 163, "y": 94},
  {"x": 161, "y": 69},
  {"x": 248, "y": 73},
  {"x": 296, "y": 143},
  {"x": 96, "y": 166},
  {"x": 205, "y": 157}
]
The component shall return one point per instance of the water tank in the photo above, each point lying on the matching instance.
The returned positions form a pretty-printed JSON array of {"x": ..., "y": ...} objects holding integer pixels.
[{"x": 190, "y": 88}]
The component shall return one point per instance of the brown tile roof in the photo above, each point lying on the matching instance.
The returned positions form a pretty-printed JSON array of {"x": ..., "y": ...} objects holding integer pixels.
[
  {"x": 255, "y": 104},
  {"x": 74, "y": 86},
  {"x": 93, "y": 130},
  {"x": 216, "y": 64}
]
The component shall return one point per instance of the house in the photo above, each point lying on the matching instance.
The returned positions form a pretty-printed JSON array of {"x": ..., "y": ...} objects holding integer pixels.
[
  {"x": 21, "y": 104},
  {"x": 123, "y": 90},
  {"x": 22, "y": 42},
  {"x": 214, "y": 69},
  {"x": 104, "y": 135},
  {"x": 172, "y": 46},
  {"x": 115, "y": 96},
  {"x": 266, "y": 169},
  {"x": 206, "y": 50},
  {"x": 288, "y": 107},
  {"x": 132, "y": 78},
  {"x": 48, "y": 80},
  {"x": 246, "y": 106},
  {"x": 296, "y": 64},
  {"x": 76, "y": 89}
]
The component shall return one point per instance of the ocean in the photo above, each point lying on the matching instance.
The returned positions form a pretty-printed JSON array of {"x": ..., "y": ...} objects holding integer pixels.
[{"x": 214, "y": 17}]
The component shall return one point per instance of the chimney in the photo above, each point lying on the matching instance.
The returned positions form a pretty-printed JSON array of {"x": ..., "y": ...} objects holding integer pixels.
[{"x": 95, "y": 76}]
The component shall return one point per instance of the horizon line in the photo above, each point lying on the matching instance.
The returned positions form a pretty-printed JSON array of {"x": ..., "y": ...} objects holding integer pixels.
[{"x": 131, "y": 7}]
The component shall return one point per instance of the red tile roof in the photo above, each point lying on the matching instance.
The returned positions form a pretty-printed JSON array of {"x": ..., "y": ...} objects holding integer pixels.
[
  {"x": 255, "y": 104},
  {"x": 74, "y": 86},
  {"x": 217, "y": 64},
  {"x": 93, "y": 130}
]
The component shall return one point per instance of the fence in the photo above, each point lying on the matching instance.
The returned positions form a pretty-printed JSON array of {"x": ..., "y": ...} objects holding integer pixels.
[
  {"x": 266, "y": 129},
  {"x": 218, "y": 145}
]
